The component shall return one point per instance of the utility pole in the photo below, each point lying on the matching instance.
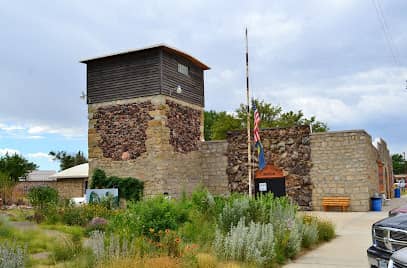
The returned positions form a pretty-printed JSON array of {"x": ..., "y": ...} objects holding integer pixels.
[{"x": 249, "y": 149}]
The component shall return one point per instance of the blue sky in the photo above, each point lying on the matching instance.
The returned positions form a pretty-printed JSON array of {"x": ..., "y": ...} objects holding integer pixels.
[{"x": 328, "y": 58}]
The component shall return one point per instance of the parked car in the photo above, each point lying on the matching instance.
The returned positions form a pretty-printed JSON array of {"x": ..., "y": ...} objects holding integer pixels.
[
  {"x": 398, "y": 259},
  {"x": 396, "y": 211},
  {"x": 389, "y": 235}
]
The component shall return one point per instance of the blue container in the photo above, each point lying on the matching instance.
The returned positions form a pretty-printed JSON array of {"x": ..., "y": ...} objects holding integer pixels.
[
  {"x": 397, "y": 193},
  {"x": 376, "y": 203}
]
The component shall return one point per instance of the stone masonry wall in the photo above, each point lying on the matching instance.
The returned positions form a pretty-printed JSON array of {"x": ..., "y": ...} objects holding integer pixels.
[
  {"x": 185, "y": 127},
  {"x": 344, "y": 164},
  {"x": 122, "y": 128},
  {"x": 286, "y": 148},
  {"x": 385, "y": 158},
  {"x": 214, "y": 165},
  {"x": 165, "y": 166},
  {"x": 67, "y": 188}
]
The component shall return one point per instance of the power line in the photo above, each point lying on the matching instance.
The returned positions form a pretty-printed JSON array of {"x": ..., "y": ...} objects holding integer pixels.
[{"x": 386, "y": 31}]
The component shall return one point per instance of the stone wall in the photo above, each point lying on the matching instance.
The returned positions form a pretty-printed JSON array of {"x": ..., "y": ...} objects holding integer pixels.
[
  {"x": 386, "y": 160},
  {"x": 67, "y": 188},
  {"x": 286, "y": 148},
  {"x": 185, "y": 127},
  {"x": 214, "y": 165},
  {"x": 344, "y": 164},
  {"x": 122, "y": 128},
  {"x": 172, "y": 161}
]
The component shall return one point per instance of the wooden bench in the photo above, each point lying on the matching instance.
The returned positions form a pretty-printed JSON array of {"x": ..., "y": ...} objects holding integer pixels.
[{"x": 336, "y": 201}]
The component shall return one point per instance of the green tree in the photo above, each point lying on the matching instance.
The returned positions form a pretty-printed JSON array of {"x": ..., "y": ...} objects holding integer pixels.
[
  {"x": 67, "y": 160},
  {"x": 217, "y": 124},
  {"x": 16, "y": 166},
  {"x": 399, "y": 164},
  {"x": 224, "y": 123},
  {"x": 210, "y": 118},
  {"x": 269, "y": 114},
  {"x": 12, "y": 168}
]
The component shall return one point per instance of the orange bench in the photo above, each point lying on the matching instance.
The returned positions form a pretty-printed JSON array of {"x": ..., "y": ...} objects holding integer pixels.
[{"x": 336, "y": 201}]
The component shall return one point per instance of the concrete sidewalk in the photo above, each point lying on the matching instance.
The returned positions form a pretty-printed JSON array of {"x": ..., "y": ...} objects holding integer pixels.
[{"x": 354, "y": 237}]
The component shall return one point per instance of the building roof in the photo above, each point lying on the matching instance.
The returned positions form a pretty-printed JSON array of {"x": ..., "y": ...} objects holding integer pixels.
[
  {"x": 76, "y": 172},
  {"x": 163, "y": 46},
  {"x": 40, "y": 175}
]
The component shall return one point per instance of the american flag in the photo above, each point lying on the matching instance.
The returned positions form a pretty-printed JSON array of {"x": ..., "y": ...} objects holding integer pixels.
[
  {"x": 259, "y": 146},
  {"x": 256, "y": 124}
]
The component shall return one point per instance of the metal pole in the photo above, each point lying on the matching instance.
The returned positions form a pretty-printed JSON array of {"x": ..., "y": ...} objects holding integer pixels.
[{"x": 249, "y": 156}]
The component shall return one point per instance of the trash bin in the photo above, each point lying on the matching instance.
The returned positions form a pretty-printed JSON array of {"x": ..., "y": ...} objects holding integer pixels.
[
  {"x": 397, "y": 192},
  {"x": 376, "y": 203}
]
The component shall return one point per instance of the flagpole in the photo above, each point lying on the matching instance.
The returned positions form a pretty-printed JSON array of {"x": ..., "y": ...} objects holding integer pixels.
[{"x": 249, "y": 155}]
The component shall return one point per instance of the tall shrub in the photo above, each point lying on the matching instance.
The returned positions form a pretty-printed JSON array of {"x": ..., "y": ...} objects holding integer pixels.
[
  {"x": 253, "y": 243},
  {"x": 41, "y": 196},
  {"x": 149, "y": 216}
]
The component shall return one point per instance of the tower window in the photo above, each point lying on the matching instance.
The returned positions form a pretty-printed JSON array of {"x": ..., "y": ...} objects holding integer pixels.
[{"x": 183, "y": 69}]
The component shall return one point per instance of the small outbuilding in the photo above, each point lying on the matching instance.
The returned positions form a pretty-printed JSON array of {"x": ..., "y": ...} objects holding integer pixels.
[{"x": 72, "y": 182}]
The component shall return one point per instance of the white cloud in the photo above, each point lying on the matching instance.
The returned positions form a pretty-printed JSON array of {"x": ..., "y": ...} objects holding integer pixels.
[
  {"x": 34, "y": 131},
  {"x": 356, "y": 99},
  {"x": 67, "y": 132},
  {"x": 40, "y": 155},
  {"x": 4, "y": 151},
  {"x": 10, "y": 128}
]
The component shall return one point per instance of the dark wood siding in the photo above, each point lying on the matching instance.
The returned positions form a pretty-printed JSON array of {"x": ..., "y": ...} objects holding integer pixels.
[
  {"x": 192, "y": 85},
  {"x": 124, "y": 76}
]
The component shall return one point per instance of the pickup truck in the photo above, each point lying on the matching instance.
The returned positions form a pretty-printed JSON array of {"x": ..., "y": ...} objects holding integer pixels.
[{"x": 389, "y": 235}]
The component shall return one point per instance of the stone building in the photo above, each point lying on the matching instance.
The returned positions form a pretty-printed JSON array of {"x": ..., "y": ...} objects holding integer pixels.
[
  {"x": 145, "y": 111},
  {"x": 69, "y": 183},
  {"x": 146, "y": 121},
  {"x": 346, "y": 163}
]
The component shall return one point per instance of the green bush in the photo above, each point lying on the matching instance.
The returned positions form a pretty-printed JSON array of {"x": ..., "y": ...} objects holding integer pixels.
[
  {"x": 155, "y": 214},
  {"x": 253, "y": 243},
  {"x": 326, "y": 230},
  {"x": 129, "y": 188},
  {"x": 41, "y": 196},
  {"x": 232, "y": 213},
  {"x": 68, "y": 249},
  {"x": 203, "y": 201},
  {"x": 199, "y": 229},
  {"x": 309, "y": 231},
  {"x": 82, "y": 215}
]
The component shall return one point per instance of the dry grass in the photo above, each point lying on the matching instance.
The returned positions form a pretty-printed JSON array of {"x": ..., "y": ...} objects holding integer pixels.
[
  {"x": 156, "y": 262},
  {"x": 205, "y": 260}
]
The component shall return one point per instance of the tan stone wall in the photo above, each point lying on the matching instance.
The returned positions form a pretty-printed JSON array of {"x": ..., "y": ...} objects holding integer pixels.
[
  {"x": 385, "y": 158},
  {"x": 20, "y": 191},
  {"x": 214, "y": 165},
  {"x": 344, "y": 164},
  {"x": 69, "y": 188},
  {"x": 161, "y": 167}
]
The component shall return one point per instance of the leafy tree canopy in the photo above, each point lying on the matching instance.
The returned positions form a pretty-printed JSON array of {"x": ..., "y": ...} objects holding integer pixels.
[
  {"x": 399, "y": 164},
  {"x": 217, "y": 124},
  {"x": 16, "y": 166},
  {"x": 67, "y": 160}
]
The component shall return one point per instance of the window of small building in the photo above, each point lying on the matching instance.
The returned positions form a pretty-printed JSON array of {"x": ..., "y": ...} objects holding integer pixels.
[{"x": 183, "y": 69}]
